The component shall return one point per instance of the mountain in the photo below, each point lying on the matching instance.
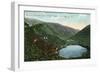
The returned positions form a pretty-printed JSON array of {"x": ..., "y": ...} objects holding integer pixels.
[
  {"x": 42, "y": 39},
  {"x": 83, "y": 37},
  {"x": 31, "y": 21},
  {"x": 51, "y": 28}
]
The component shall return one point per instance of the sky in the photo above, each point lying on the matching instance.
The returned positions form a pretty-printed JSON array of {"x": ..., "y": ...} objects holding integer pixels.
[{"x": 73, "y": 20}]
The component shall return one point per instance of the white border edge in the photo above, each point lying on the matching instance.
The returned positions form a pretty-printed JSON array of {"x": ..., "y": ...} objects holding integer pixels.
[{"x": 14, "y": 36}]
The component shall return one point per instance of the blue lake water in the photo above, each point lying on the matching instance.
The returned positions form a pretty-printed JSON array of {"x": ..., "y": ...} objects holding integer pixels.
[{"x": 72, "y": 51}]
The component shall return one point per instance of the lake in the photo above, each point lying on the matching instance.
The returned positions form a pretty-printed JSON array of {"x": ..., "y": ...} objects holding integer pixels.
[{"x": 72, "y": 51}]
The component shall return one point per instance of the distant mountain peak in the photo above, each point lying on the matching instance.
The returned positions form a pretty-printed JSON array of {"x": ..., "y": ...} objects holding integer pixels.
[{"x": 32, "y": 21}]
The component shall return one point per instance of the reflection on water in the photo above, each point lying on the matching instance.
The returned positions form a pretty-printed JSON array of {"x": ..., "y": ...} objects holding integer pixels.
[{"x": 72, "y": 51}]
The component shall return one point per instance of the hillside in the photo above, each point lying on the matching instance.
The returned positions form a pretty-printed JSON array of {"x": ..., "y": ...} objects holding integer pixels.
[
  {"x": 83, "y": 37},
  {"x": 52, "y": 28},
  {"x": 44, "y": 36}
]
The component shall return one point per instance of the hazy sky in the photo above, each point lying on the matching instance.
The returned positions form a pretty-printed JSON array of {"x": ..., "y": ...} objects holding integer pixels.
[{"x": 74, "y": 20}]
